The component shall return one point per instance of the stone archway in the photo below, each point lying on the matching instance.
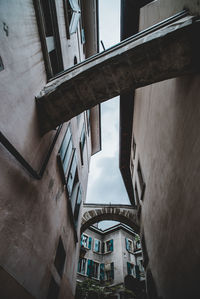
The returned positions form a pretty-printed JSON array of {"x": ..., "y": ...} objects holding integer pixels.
[{"x": 92, "y": 213}]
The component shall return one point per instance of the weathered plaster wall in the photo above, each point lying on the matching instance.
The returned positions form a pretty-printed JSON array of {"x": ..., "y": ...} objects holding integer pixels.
[
  {"x": 167, "y": 134},
  {"x": 33, "y": 214}
]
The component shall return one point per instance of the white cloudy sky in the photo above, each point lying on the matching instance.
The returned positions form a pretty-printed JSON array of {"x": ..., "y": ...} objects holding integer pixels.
[{"x": 105, "y": 182}]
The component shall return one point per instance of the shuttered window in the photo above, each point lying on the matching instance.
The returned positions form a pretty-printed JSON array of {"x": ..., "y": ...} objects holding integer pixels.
[
  {"x": 109, "y": 271},
  {"x": 137, "y": 271},
  {"x": 90, "y": 243},
  {"x": 72, "y": 16},
  {"x": 77, "y": 205},
  {"x": 86, "y": 241},
  {"x": 129, "y": 245},
  {"x": 71, "y": 174},
  {"x": 82, "y": 263},
  {"x": 82, "y": 143},
  {"x": 130, "y": 269},
  {"x": 101, "y": 271},
  {"x": 97, "y": 245},
  {"x": 89, "y": 268},
  {"x": 109, "y": 246}
]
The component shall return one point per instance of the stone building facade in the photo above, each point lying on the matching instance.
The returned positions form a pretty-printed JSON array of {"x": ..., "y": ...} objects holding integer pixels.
[
  {"x": 110, "y": 255},
  {"x": 43, "y": 178}
]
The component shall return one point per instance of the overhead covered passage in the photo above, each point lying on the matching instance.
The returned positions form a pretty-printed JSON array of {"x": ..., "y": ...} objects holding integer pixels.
[{"x": 166, "y": 50}]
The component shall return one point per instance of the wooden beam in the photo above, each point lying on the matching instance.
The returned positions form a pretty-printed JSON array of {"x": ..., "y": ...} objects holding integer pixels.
[{"x": 148, "y": 57}]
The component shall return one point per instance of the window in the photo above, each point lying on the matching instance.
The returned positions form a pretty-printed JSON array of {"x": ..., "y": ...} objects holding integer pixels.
[
  {"x": 82, "y": 143},
  {"x": 1, "y": 64},
  {"x": 133, "y": 151},
  {"x": 96, "y": 270},
  {"x": 67, "y": 158},
  {"x": 53, "y": 291},
  {"x": 109, "y": 246},
  {"x": 97, "y": 245},
  {"x": 88, "y": 121},
  {"x": 60, "y": 257},
  {"x": 49, "y": 33},
  {"x": 93, "y": 269},
  {"x": 137, "y": 201},
  {"x": 66, "y": 152},
  {"x": 101, "y": 272},
  {"x": 109, "y": 271},
  {"x": 72, "y": 15},
  {"x": 141, "y": 180},
  {"x": 86, "y": 241},
  {"x": 82, "y": 266},
  {"x": 68, "y": 163},
  {"x": 137, "y": 245},
  {"x": 131, "y": 269},
  {"x": 129, "y": 245},
  {"x": 77, "y": 205},
  {"x": 140, "y": 266}
]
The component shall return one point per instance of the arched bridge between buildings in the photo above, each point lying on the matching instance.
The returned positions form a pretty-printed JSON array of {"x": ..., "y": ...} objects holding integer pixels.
[
  {"x": 92, "y": 213},
  {"x": 163, "y": 51}
]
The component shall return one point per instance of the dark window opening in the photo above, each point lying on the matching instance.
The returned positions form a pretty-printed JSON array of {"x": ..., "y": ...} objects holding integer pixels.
[
  {"x": 48, "y": 23},
  {"x": 82, "y": 143},
  {"x": 134, "y": 148},
  {"x": 136, "y": 195},
  {"x": 60, "y": 257},
  {"x": 69, "y": 11},
  {"x": 77, "y": 206},
  {"x": 53, "y": 291},
  {"x": 75, "y": 60},
  {"x": 1, "y": 64},
  {"x": 141, "y": 180}
]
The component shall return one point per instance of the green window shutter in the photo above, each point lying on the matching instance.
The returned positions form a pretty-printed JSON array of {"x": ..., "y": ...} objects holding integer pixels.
[
  {"x": 103, "y": 247},
  {"x": 127, "y": 245},
  {"x": 71, "y": 175},
  {"x": 67, "y": 157},
  {"x": 90, "y": 243},
  {"x": 101, "y": 271},
  {"x": 89, "y": 268},
  {"x": 137, "y": 271},
  {"x": 112, "y": 270},
  {"x": 96, "y": 245},
  {"x": 99, "y": 246},
  {"x": 129, "y": 268},
  {"x": 111, "y": 245},
  {"x": 92, "y": 268},
  {"x": 65, "y": 144},
  {"x": 77, "y": 206},
  {"x": 81, "y": 240}
]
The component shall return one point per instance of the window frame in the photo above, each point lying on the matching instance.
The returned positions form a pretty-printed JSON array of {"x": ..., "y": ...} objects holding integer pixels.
[
  {"x": 42, "y": 32},
  {"x": 85, "y": 266},
  {"x": 68, "y": 23},
  {"x": 94, "y": 243},
  {"x": 131, "y": 266},
  {"x": 89, "y": 241},
  {"x": 140, "y": 180},
  {"x": 105, "y": 247},
  {"x": 132, "y": 245},
  {"x": 82, "y": 143}
]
